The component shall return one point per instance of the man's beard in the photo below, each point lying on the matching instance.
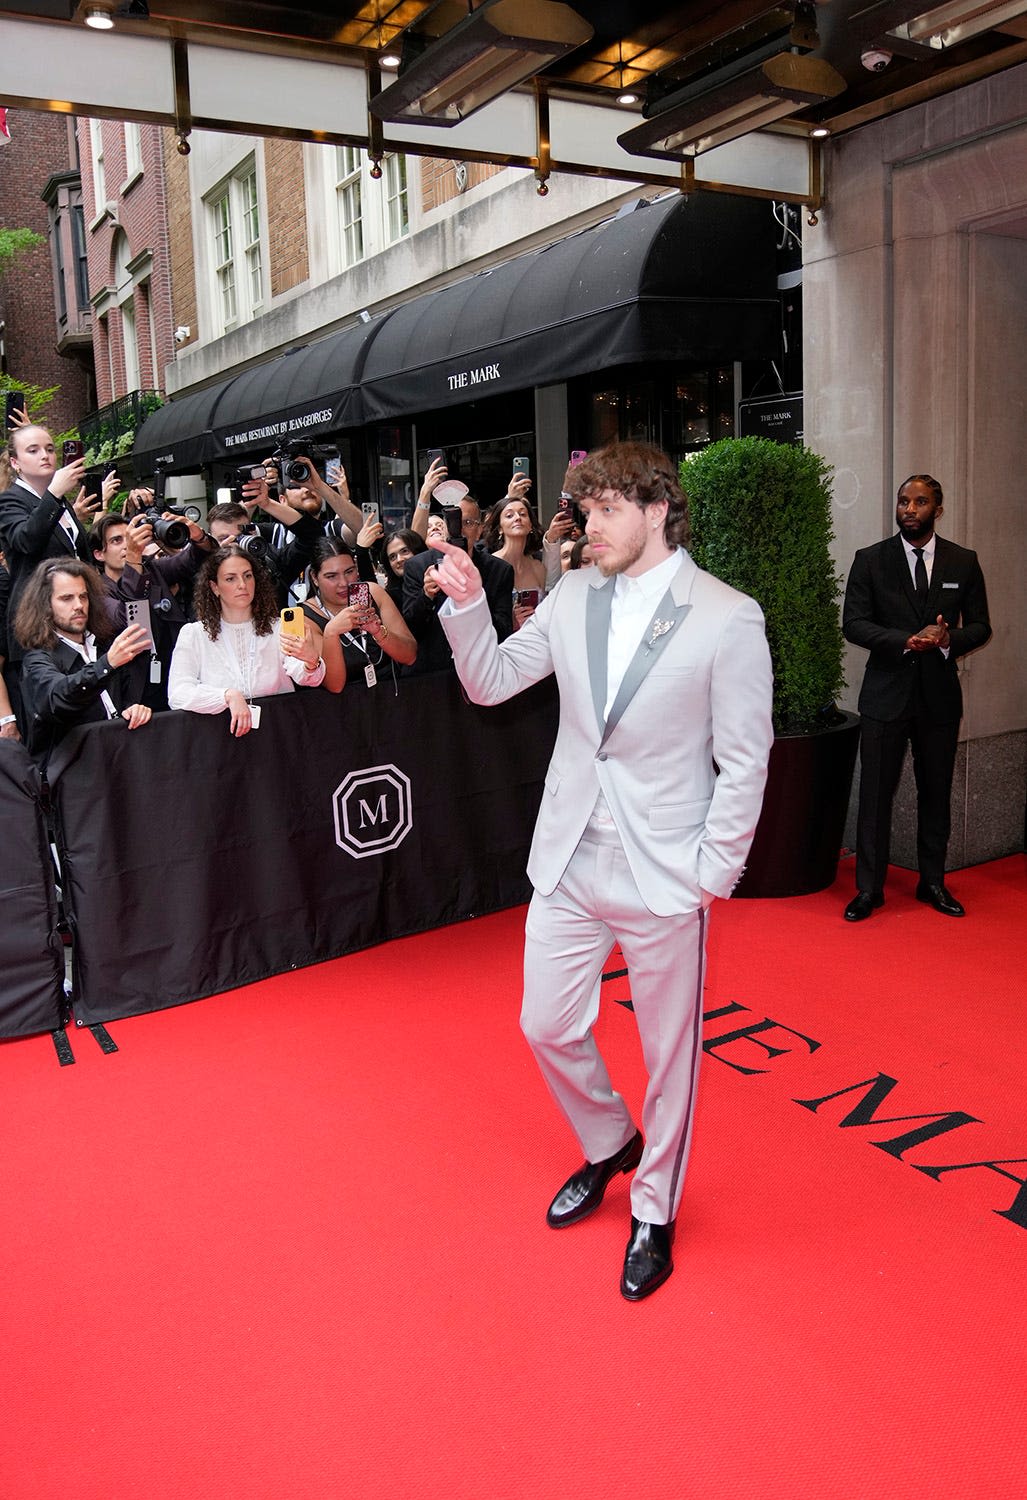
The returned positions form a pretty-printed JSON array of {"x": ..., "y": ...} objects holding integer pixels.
[{"x": 633, "y": 549}]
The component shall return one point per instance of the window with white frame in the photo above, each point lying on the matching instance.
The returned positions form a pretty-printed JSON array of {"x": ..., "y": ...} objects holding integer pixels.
[
  {"x": 397, "y": 212},
  {"x": 133, "y": 151},
  {"x": 99, "y": 175},
  {"x": 349, "y": 203},
  {"x": 235, "y": 247},
  {"x": 366, "y": 214}
]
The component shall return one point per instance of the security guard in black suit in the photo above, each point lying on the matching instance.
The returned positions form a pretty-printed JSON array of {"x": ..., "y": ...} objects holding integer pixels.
[{"x": 917, "y": 602}]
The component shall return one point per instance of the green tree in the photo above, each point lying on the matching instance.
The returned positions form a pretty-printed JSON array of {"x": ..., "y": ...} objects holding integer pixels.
[{"x": 14, "y": 242}]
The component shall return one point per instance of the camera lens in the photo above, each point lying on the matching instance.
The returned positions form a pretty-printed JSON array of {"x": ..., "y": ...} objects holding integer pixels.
[
  {"x": 253, "y": 546},
  {"x": 173, "y": 534}
]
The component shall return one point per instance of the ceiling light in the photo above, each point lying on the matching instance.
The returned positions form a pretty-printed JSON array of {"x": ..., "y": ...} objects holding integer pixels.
[
  {"x": 819, "y": 132},
  {"x": 628, "y": 98},
  {"x": 389, "y": 60},
  {"x": 708, "y": 112},
  {"x": 947, "y": 25},
  {"x": 100, "y": 15},
  {"x": 493, "y": 49}
]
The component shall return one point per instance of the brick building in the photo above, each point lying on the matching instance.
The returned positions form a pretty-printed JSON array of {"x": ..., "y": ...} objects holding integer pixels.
[
  {"x": 45, "y": 337},
  {"x": 125, "y": 204}
]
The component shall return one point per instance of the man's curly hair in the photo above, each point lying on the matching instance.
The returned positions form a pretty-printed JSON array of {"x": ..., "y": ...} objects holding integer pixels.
[
  {"x": 207, "y": 605},
  {"x": 640, "y": 472}
]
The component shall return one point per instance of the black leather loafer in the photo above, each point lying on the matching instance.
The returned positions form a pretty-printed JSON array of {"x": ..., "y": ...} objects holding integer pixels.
[
  {"x": 647, "y": 1262},
  {"x": 862, "y": 905},
  {"x": 941, "y": 899},
  {"x": 582, "y": 1194}
]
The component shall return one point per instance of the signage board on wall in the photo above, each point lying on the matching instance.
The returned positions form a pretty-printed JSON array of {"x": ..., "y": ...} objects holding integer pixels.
[{"x": 776, "y": 417}]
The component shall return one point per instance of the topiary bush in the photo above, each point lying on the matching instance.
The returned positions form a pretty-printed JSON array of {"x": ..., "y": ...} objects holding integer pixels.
[{"x": 761, "y": 521}]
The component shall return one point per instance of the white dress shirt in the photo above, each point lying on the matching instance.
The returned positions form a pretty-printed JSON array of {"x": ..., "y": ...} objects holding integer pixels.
[
  {"x": 634, "y": 604},
  {"x": 203, "y": 670},
  {"x": 87, "y": 650}
]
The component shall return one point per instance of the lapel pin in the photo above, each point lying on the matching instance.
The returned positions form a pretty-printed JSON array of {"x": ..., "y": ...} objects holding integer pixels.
[{"x": 660, "y": 627}]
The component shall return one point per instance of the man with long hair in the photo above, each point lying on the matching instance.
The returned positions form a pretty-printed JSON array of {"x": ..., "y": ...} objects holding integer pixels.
[
  {"x": 76, "y": 667},
  {"x": 650, "y": 804}
]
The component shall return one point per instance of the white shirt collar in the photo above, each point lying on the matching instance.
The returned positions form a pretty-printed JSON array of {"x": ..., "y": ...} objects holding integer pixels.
[
  {"x": 654, "y": 582},
  {"x": 927, "y": 549},
  {"x": 86, "y": 648}
]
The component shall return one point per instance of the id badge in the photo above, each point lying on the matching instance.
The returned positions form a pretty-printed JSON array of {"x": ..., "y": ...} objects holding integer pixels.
[
  {"x": 370, "y": 675},
  {"x": 255, "y": 711},
  {"x": 155, "y": 669}
]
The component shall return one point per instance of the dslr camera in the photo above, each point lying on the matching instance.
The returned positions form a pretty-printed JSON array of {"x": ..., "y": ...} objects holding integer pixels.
[
  {"x": 286, "y": 454},
  {"x": 171, "y": 534},
  {"x": 252, "y": 543}
]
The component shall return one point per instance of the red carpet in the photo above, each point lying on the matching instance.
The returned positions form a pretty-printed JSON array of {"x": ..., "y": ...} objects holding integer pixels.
[{"x": 289, "y": 1241}]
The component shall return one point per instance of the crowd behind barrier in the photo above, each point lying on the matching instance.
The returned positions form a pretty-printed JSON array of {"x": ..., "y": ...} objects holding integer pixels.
[{"x": 193, "y": 862}]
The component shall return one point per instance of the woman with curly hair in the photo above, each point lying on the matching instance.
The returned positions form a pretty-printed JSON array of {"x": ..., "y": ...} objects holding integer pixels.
[
  {"x": 512, "y": 533},
  {"x": 234, "y": 652}
]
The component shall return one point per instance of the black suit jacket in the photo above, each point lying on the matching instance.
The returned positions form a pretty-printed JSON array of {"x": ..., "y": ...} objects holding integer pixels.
[
  {"x": 30, "y": 531},
  {"x": 422, "y": 613},
  {"x": 881, "y": 613},
  {"x": 60, "y": 691}
]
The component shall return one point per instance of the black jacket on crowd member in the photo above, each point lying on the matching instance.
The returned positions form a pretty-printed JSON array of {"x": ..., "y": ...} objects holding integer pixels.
[
  {"x": 286, "y": 563},
  {"x": 422, "y": 613},
  {"x": 5, "y": 594},
  {"x": 31, "y": 530},
  {"x": 61, "y": 691},
  {"x": 155, "y": 582}
]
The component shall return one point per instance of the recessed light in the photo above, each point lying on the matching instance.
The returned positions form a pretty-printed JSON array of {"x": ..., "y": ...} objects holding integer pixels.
[
  {"x": 628, "y": 98},
  {"x": 100, "y": 17}
]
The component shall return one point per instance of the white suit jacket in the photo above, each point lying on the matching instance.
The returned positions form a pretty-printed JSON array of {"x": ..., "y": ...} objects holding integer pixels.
[{"x": 682, "y": 759}]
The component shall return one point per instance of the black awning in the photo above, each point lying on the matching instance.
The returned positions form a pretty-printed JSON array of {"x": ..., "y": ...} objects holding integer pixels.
[
  {"x": 684, "y": 279},
  {"x": 177, "y": 433},
  {"x": 311, "y": 391},
  {"x": 688, "y": 279}
]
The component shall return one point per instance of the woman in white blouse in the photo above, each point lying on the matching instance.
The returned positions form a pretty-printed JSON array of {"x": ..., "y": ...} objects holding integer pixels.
[{"x": 233, "y": 652}]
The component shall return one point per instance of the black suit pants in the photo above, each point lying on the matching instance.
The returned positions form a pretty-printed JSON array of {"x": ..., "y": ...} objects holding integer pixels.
[{"x": 882, "y": 749}]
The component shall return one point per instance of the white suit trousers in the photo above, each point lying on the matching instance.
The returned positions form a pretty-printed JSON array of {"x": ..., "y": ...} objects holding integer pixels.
[{"x": 568, "y": 937}]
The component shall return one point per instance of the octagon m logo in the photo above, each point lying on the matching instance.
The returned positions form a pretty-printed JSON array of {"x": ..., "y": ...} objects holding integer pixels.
[{"x": 372, "y": 811}]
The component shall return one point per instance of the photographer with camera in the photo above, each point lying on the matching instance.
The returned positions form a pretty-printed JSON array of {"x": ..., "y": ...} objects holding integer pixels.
[
  {"x": 135, "y": 573},
  {"x": 295, "y": 463}
]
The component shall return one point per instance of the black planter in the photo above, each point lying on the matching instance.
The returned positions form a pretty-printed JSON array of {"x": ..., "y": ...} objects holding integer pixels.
[{"x": 799, "y": 835}]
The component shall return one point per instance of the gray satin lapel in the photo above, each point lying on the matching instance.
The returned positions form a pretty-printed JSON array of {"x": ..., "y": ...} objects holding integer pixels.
[
  {"x": 597, "y": 639},
  {"x": 648, "y": 653}
]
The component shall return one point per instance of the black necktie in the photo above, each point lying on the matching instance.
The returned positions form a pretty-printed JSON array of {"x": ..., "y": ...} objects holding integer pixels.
[{"x": 920, "y": 577}]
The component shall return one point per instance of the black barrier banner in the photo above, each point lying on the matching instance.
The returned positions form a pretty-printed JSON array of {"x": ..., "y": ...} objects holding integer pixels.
[
  {"x": 31, "y": 951},
  {"x": 195, "y": 862}
]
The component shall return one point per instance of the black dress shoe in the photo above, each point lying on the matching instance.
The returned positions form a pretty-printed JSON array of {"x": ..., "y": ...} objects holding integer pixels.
[
  {"x": 861, "y": 906},
  {"x": 582, "y": 1194},
  {"x": 941, "y": 899},
  {"x": 647, "y": 1262}
]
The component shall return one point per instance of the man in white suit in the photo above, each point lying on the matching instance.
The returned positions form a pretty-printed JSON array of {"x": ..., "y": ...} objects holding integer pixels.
[{"x": 650, "y": 804}]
